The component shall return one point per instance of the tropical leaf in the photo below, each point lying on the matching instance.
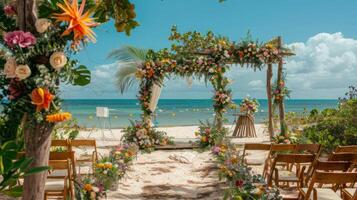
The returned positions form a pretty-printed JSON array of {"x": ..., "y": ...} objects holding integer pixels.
[{"x": 128, "y": 59}]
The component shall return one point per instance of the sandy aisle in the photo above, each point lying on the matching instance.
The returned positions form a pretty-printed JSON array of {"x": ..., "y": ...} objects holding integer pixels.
[{"x": 156, "y": 176}]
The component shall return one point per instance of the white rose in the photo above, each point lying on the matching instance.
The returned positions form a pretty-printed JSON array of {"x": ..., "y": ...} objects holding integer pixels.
[
  {"x": 10, "y": 67},
  {"x": 42, "y": 25},
  {"x": 22, "y": 72},
  {"x": 58, "y": 60}
]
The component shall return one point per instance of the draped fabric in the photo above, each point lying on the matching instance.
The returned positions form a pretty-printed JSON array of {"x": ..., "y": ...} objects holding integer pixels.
[{"x": 156, "y": 91}]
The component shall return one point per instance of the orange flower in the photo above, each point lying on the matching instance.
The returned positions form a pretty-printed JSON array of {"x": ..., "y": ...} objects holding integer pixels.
[
  {"x": 88, "y": 187},
  {"x": 42, "y": 98},
  {"x": 78, "y": 22},
  {"x": 59, "y": 117}
]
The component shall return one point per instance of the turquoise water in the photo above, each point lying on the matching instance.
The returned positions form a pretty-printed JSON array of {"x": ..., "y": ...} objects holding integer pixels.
[{"x": 171, "y": 112}]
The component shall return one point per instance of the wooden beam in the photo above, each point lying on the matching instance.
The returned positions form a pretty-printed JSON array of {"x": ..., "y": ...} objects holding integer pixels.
[{"x": 269, "y": 97}]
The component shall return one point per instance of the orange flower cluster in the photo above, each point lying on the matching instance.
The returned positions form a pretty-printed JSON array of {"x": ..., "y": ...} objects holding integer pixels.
[
  {"x": 59, "y": 117},
  {"x": 42, "y": 98},
  {"x": 79, "y": 22}
]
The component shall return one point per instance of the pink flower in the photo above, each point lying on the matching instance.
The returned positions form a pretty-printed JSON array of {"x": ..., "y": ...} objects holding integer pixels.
[
  {"x": 9, "y": 10},
  {"x": 20, "y": 38},
  {"x": 216, "y": 149}
]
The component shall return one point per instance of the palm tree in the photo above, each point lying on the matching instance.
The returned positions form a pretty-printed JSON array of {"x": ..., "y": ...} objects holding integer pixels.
[{"x": 128, "y": 59}]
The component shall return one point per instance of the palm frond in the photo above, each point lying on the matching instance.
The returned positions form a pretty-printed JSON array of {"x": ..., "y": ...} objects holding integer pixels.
[
  {"x": 128, "y": 59},
  {"x": 128, "y": 54}
]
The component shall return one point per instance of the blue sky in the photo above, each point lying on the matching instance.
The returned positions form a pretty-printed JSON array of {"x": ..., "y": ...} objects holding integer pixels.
[{"x": 323, "y": 34}]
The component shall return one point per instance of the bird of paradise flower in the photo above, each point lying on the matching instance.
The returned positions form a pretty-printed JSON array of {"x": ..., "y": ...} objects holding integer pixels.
[{"x": 79, "y": 22}]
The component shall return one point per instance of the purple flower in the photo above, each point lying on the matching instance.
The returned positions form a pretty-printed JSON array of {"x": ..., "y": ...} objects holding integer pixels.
[
  {"x": 20, "y": 38},
  {"x": 216, "y": 149},
  {"x": 9, "y": 10}
]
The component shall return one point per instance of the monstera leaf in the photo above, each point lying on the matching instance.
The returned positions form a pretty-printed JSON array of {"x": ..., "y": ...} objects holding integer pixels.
[{"x": 81, "y": 76}]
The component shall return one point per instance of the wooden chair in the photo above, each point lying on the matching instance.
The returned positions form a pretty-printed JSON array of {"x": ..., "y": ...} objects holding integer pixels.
[
  {"x": 314, "y": 149},
  {"x": 349, "y": 193},
  {"x": 346, "y": 149},
  {"x": 60, "y": 145},
  {"x": 59, "y": 185},
  {"x": 85, "y": 160},
  {"x": 246, "y": 159},
  {"x": 334, "y": 178},
  {"x": 274, "y": 149},
  {"x": 288, "y": 176}
]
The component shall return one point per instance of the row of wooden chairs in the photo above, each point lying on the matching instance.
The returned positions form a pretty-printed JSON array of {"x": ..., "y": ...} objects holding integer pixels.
[
  {"x": 65, "y": 166},
  {"x": 305, "y": 159}
]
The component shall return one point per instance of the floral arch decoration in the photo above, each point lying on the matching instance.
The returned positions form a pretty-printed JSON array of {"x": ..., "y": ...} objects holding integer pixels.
[{"x": 204, "y": 56}]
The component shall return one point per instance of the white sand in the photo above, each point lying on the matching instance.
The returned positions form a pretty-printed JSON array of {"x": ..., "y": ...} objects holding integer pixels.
[{"x": 156, "y": 176}]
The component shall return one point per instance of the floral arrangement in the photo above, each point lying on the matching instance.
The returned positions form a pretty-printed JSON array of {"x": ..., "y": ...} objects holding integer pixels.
[
  {"x": 280, "y": 91},
  {"x": 35, "y": 58},
  {"x": 124, "y": 153},
  {"x": 107, "y": 172},
  {"x": 242, "y": 183},
  {"x": 249, "y": 105},
  {"x": 208, "y": 134},
  {"x": 88, "y": 188},
  {"x": 145, "y": 136}
]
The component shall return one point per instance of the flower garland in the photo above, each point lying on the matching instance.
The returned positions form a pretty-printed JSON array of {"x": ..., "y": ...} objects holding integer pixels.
[
  {"x": 280, "y": 91},
  {"x": 208, "y": 134}
]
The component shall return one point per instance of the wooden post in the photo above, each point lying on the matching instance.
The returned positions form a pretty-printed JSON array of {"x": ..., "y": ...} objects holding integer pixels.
[
  {"x": 269, "y": 96},
  {"x": 281, "y": 103},
  {"x": 37, "y": 135}
]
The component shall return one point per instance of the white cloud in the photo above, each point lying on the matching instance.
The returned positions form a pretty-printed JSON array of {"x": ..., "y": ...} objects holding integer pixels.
[{"x": 323, "y": 67}]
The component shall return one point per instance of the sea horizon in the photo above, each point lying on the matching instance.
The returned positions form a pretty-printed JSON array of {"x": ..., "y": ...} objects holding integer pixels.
[{"x": 173, "y": 112}]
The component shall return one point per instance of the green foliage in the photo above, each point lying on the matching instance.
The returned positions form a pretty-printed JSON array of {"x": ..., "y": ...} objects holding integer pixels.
[
  {"x": 335, "y": 126},
  {"x": 13, "y": 168}
]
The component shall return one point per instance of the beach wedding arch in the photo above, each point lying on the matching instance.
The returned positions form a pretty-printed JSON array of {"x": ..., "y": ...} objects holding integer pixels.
[
  {"x": 39, "y": 38},
  {"x": 204, "y": 56}
]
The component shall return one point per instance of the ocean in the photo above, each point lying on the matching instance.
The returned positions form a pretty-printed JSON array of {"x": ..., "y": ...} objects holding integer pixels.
[{"x": 170, "y": 112}]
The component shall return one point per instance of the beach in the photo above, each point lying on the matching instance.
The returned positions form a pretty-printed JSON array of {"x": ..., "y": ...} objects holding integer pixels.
[{"x": 170, "y": 174}]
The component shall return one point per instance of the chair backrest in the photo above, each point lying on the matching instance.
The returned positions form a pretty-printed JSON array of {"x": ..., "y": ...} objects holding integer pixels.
[
  {"x": 334, "y": 178},
  {"x": 85, "y": 143},
  {"x": 55, "y": 144},
  {"x": 294, "y": 158},
  {"x": 308, "y": 148},
  {"x": 352, "y": 157},
  {"x": 282, "y": 147},
  {"x": 346, "y": 149},
  {"x": 332, "y": 165},
  {"x": 63, "y": 156},
  {"x": 255, "y": 147}
]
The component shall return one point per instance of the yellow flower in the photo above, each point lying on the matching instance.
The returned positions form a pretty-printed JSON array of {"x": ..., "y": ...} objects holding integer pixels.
[
  {"x": 78, "y": 22},
  {"x": 100, "y": 165},
  {"x": 204, "y": 139},
  {"x": 59, "y": 117},
  {"x": 197, "y": 133},
  {"x": 88, "y": 187},
  {"x": 108, "y": 165}
]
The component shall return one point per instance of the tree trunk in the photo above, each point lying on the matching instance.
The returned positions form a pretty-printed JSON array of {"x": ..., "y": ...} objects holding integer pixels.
[
  {"x": 27, "y": 14},
  {"x": 281, "y": 103},
  {"x": 37, "y": 147},
  {"x": 269, "y": 95},
  {"x": 37, "y": 136}
]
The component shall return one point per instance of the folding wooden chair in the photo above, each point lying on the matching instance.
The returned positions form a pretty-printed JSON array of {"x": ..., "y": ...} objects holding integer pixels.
[
  {"x": 346, "y": 149},
  {"x": 85, "y": 159},
  {"x": 60, "y": 145},
  {"x": 59, "y": 185},
  {"x": 349, "y": 193},
  {"x": 288, "y": 176},
  {"x": 322, "y": 178},
  {"x": 255, "y": 160},
  {"x": 274, "y": 149}
]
